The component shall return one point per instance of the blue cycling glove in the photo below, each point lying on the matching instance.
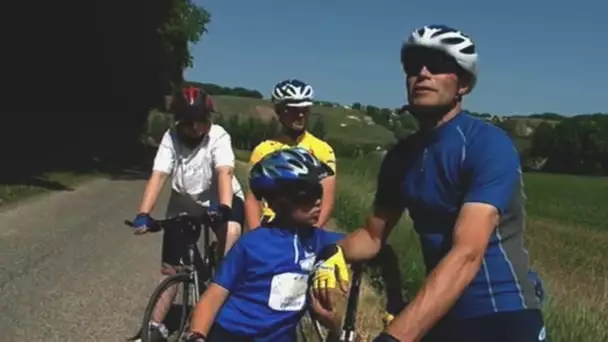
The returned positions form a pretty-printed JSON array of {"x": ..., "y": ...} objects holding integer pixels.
[
  {"x": 384, "y": 337},
  {"x": 220, "y": 214},
  {"x": 142, "y": 220}
]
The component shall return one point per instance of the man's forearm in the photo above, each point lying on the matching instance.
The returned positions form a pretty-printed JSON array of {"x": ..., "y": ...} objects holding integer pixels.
[
  {"x": 360, "y": 246},
  {"x": 253, "y": 211},
  {"x": 153, "y": 188},
  {"x": 224, "y": 186},
  {"x": 441, "y": 290},
  {"x": 327, "y": 201}
]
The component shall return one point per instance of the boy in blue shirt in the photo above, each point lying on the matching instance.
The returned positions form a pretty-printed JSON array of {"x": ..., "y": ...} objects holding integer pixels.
[{"x": 260, "y": 291}]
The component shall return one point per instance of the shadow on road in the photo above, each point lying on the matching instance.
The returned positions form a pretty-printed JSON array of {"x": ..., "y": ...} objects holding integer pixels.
[{"x": 132, "y": 165}]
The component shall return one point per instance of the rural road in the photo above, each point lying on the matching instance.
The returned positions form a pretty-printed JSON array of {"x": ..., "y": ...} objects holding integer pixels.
[{"x": 70, "y": 270}]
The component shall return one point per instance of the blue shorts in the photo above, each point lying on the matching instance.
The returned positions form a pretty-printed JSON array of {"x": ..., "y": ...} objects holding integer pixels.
[
  {"x": 220, "y": 334},
  {"x": 513, "y": 326}
]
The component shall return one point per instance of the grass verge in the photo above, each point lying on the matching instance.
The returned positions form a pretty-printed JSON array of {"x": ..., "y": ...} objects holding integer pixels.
[{"x": 13, "y": 192}]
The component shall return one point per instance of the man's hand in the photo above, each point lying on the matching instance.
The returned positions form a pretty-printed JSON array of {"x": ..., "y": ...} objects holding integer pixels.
[
  {"x": 387, "y": 318},
  {"x": 331, "y": 271},
  {"x": 220, "y": 214},
  {"x": 142, "y": 223}
]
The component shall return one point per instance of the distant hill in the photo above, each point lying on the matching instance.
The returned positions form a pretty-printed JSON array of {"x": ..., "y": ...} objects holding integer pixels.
[{"x": 342, "y": 123}]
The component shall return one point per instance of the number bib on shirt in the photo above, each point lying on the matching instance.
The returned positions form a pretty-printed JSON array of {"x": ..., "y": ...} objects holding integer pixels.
[{"x": 288, "y": 292}]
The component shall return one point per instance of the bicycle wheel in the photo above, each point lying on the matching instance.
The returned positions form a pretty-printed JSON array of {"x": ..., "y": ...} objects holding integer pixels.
[
  {"x": 176, "y": 326},
  {"x": 311, "y": 330}
]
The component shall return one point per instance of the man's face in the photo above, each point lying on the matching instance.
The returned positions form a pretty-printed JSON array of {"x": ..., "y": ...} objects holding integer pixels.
[
  {"x": 194, "y": 129},
  {"x": 295, "y": 118},
  {"x": 432, "y": 78}
]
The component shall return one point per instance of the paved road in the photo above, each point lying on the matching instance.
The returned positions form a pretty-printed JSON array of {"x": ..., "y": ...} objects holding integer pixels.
[{"x": 69, "y": 269}]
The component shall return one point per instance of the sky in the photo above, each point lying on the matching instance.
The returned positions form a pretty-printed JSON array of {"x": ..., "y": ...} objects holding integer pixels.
[{"x": 535, "y": 56}]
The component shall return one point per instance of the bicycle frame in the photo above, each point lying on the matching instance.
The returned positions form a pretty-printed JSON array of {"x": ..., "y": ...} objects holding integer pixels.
[
  {"x": 208, "y": 256},
  {"x": 348, "y": 333}
]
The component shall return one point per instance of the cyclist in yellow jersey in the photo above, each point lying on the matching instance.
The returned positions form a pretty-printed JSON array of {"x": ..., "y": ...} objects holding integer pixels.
[{"x": 293, "y": 100}]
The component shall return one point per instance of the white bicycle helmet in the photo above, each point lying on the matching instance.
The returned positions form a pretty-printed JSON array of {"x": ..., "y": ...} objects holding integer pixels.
[
  {"x": 450, "y": 41},
  {"x": 293, "y": 93}
]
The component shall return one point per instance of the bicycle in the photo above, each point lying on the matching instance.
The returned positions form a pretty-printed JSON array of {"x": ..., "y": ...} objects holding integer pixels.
[
  {"x": 347, "y": 332},
  {"x": 190, "y": 274},
  {"x": 391, "y": 276}
]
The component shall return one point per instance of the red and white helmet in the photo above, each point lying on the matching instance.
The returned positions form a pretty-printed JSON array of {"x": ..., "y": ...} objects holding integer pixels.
[{"x": 192, "y": 104}]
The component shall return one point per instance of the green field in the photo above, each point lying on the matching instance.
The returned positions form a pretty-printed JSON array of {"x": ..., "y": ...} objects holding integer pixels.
[
  {"x": 566, "y": 237},
  {"x": 347, "y": 125}
]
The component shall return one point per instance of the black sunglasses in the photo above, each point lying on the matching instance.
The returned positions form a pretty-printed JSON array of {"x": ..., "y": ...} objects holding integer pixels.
[
  {"x": 436, "y": 62},
  {"x": 307, "y": 195}
]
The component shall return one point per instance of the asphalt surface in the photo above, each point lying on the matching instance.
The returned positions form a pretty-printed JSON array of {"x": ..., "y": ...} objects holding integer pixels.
[{"x": 71, "y": 271}]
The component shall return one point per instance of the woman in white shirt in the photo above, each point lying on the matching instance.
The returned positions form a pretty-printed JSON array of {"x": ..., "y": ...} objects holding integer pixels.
[{"x": 199, "y": 157}]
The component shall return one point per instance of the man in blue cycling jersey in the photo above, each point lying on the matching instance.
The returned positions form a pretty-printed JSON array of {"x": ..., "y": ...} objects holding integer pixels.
[
  {"x": 260, "y": 291},
  {"x": 461, "y": 181}
]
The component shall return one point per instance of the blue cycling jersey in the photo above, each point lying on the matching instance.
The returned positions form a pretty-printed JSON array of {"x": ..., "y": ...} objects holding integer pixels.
[
  {"x": 432, "y": 174},
  {"x": 266, "y": 273}
]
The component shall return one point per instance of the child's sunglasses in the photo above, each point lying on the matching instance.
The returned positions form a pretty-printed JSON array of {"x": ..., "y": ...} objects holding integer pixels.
[{"x": 307, "y": 195}]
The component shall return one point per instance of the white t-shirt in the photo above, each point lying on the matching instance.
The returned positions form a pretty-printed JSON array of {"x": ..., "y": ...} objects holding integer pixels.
[{"x": 193, "y": 176}]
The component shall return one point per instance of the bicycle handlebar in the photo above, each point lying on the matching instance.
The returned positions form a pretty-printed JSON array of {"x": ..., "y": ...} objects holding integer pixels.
[{"x": 208, "y": 217}]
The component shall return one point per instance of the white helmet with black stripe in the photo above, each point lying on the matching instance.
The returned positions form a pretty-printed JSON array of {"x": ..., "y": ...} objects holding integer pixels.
[
  {"x": 450, "y": 41},
  {"x": 293, "y": 93}
]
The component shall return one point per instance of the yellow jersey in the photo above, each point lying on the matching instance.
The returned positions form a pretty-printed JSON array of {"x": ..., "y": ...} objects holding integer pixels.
[{"x": 315, "y": 146}]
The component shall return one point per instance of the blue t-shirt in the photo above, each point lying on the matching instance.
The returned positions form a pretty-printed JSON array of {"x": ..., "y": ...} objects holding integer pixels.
[
  {"x": 432, "y": 174},
  {"x": 266, "y": 273}
]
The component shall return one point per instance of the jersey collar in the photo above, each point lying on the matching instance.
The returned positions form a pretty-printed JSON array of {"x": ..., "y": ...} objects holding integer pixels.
[
  {"x": 449, "y": 125},
  {"x": 298, "y": 140}
]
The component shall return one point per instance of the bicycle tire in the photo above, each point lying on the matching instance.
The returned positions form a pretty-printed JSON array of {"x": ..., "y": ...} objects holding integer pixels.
[
  {"x": 308, "y": 324},
  {"x": 176, "y": 279},
  {"x": 213, "y": 259}
]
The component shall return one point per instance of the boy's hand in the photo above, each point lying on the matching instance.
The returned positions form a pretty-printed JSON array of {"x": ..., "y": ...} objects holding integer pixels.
[
  {"x": 331, "y": 271},
  {"x": 329, "y": 318}
]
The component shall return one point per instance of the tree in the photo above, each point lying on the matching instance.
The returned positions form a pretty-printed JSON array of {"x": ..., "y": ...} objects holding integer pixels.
[
  {"x": 373, "y": 112},
  {"x": 186, "y": 23},
  {"x": 542, "y": 140},
  {"x": 408, "y": 122},
  {"x": 357, "y": 106},
  {"x": 272, "y": 128},
  {"x": 384, "y": 117},
  {"x": 318, "y": 129}
]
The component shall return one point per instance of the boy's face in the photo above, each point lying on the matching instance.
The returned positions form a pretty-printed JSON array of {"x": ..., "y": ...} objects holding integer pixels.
[
  {"x": 305, "y": 205},
  {"x": 307, "y": 214}
]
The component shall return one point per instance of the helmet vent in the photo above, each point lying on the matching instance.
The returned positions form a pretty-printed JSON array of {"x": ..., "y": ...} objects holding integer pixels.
[
  {"x": 452, "y": 40},
  {"x": 469, "y": 50}
]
